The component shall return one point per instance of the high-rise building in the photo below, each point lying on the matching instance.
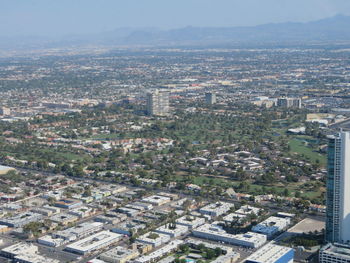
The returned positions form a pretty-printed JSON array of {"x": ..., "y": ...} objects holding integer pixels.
[
  {"x": 158, "y": 103},
  {"x": 289, "y": 102},
  {"x": 210, "y": 98},
  {"x": 338, "y": 189}
]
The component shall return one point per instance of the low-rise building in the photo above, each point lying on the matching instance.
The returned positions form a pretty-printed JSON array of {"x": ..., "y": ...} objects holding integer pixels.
[
  {"x": 217, "y": 233},
  {"x": 156, "y": 200},
  {"x": 190, "y": 221},
  {"x": 216, "y": 209},
  {"x": 81, "y": 212},
  {"x": 272, "y": 253},
  {"x": 159, "y": 253},
  {"x": 25, "y": 253},
  {"x": 119, "y": 255},
  {"x": 79, "y": 231},
  {"x": 51, "y": 241},
  {"x": 17, "y": 249},
  {"x": 21, "y": 219},
  {"x": 234, "y": 217},
  {"x": 128, "y": 228},
  {"x": 94, "y": 242},
  {"x": 247, "y": 210},
  {"x": 154, "y": 239},
  {"x": 68, "y": 203},
  {"x": 64, "y": 219},
  {"x": 173, "y": 230},
  {"x": 271, "y": 226},
  {"x": 227, "y": 258},
  {"x": 332, "y": 253}
]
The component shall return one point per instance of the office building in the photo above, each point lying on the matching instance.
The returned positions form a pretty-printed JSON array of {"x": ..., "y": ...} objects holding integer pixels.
[
  {"x": 332, "y": 253},
  {"x": 272, "y": 253},
  {"x": 158, "y": 103},
  {"x": 210, "y": 98},
  {"x": 338, "y": 189}
]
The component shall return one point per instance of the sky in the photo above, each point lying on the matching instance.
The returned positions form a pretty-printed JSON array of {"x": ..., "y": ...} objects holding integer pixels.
[{"x": 69, "y": 17}]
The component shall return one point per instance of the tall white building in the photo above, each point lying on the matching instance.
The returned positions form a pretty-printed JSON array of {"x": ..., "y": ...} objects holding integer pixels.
[
  {"x": 210, "y": 98},
  {"x": 158, "y": 103},
  {"x": 338, "y": 189}
]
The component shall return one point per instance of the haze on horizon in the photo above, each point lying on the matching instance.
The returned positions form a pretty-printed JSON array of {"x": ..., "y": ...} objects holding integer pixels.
[{"x": 70, "y": 17}]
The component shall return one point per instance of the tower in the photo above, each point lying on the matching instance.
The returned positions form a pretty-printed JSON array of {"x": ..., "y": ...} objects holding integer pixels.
[
  {"x": 158, "y": 103},
  {"x": 338, "y": 189},
  {"x": 210, "y": 98}
]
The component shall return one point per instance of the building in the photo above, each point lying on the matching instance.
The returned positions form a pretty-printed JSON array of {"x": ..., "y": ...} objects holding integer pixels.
[
  {"x": 34, "y": 258},
  {"x": 271, "y": 226},
  {"x": 272, "y": 253},
  {"x": 335, "y": 253},
  {"x": 217, "y": 233},
  {"x": 64, "y": 219},
  {"x": 190, "y": 221},
  {"x": 94, "y": 242},
  {"x": 210, "y": 98},
  {"x": 289, "y": 102},
  {"x": 5, "y": 111},
  {"x": 119, "y": 255},
  {"x": 227, "y": 258},
  {"x": 21, "y": 219},
  {"x": 128, "y": 228},
  {"x": 156, "y": 200},
  {"x": 68, "y": 203},
  {"x": 216, "y": 209},
  {"x": 338, "y": 189},
  {"x": 158, "y": 103},
  {"x": 79, "y": 231},
  {"x": 25, "y": 253},
  {"x": 154, "y": 239},
  {"x": 159, "y": 253},
  {"x": 5, "y": 169},
  {"x": 173, "y": 230},
  {"x": 17, "y": 249}
]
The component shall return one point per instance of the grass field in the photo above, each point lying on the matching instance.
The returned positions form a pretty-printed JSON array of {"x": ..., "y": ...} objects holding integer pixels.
[{"x": 300, "y": 146}]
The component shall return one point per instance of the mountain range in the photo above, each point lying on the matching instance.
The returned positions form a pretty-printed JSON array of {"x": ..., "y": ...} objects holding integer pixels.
[{"x": 333, "y": 29}]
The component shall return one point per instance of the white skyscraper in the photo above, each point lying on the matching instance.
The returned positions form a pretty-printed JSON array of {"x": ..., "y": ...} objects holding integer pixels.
[
  {"x": 158, "y": 103},
  {"x": 338, "y": 189}
]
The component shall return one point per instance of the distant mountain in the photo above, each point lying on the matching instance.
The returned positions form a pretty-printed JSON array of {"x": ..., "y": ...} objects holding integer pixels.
[{"x": 332, "y": 29}]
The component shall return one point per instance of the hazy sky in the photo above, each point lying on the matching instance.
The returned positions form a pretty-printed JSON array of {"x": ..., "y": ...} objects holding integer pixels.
[{"x": 62, "y": 17}]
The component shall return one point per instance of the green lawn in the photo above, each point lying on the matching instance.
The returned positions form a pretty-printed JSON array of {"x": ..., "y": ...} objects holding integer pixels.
[{"x": 300, "y": 146}]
